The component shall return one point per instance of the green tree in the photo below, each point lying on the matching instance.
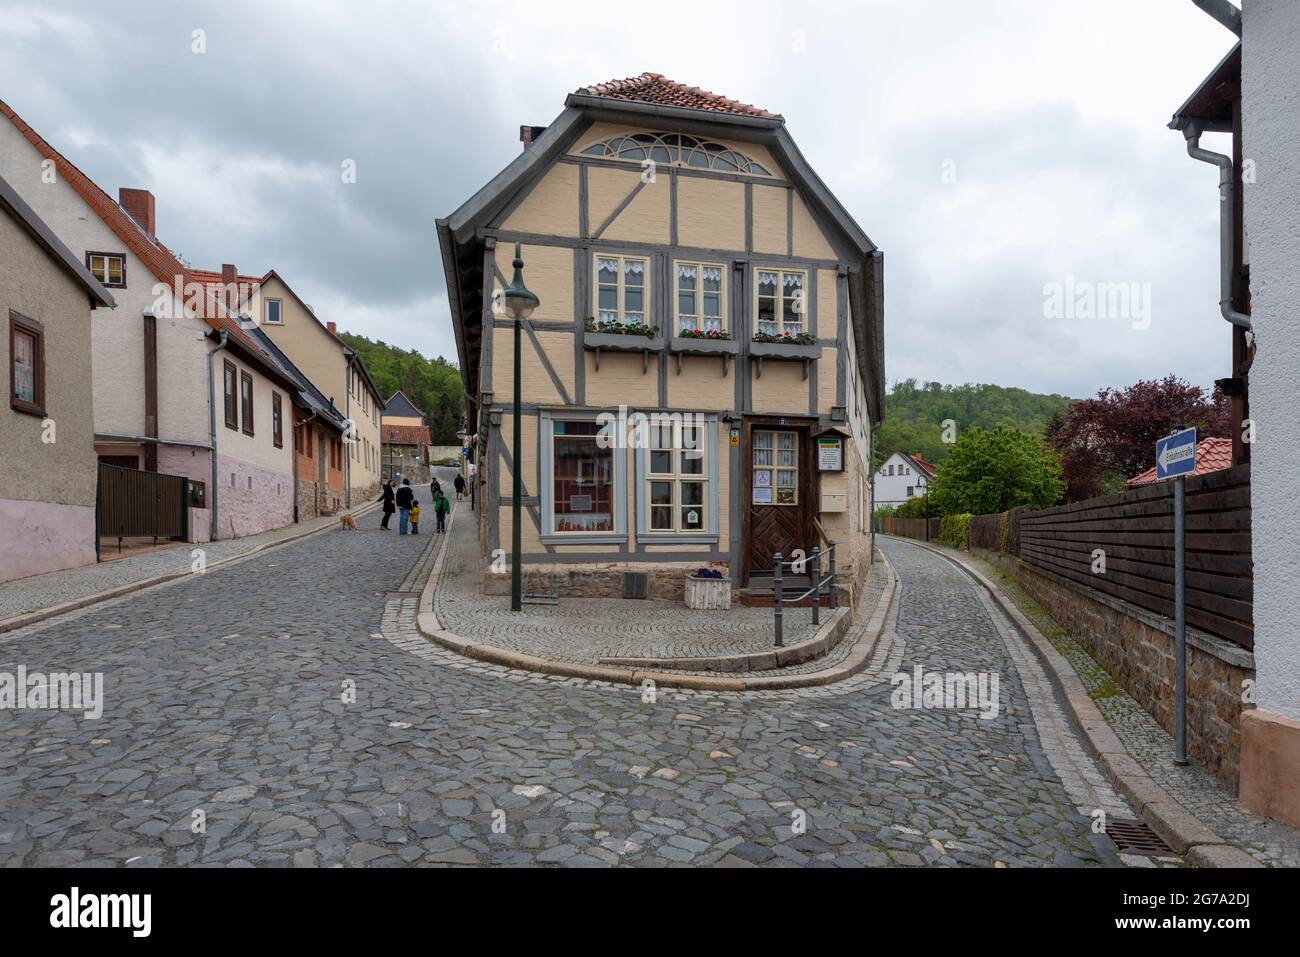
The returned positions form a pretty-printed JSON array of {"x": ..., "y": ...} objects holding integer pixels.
[
  {"x": 915, "y": 413},
  {"x": 994, "y": 471},
  {"x": 434, "y": 385}
]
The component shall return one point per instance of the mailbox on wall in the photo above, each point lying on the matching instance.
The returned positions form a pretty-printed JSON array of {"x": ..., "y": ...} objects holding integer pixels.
[{"x": 835, "y": 501}]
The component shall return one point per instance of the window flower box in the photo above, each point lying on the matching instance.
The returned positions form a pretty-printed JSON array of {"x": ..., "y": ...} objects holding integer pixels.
[
  {"x": 804, "y": 352},
  {"x": 613, "y": 337},
  {"x": 723, "y": 346},
  {"x": 707, "y": 593}
]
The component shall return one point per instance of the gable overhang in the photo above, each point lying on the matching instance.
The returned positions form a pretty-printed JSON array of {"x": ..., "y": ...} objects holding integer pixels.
[
  {"x": 1210, "y": 106},
  {"x": 461, "y": 240},
  {"x": 44, "y": 237}
]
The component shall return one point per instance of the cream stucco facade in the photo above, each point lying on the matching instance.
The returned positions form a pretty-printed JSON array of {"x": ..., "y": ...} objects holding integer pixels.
[{"x": 332, "y": 367}]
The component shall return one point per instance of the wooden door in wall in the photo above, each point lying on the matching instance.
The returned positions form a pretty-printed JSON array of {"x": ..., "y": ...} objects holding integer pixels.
[{"x": 779, "y": 493}]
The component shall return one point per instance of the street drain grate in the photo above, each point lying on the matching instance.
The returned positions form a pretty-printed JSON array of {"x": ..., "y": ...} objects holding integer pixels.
[
  {"x": 389, "y": 596},
  {"x": 1134, "y": 837}
]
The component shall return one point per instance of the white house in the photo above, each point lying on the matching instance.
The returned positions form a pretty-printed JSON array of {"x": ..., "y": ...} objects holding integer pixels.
[
  {"x": 179, "y": 387},
  {"x": 902, "y": 478},
  {"x": 1252, "y": 95}
]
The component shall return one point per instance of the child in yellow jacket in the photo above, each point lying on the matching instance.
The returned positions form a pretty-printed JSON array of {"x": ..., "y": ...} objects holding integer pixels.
[{"x": 415, "y": 517}]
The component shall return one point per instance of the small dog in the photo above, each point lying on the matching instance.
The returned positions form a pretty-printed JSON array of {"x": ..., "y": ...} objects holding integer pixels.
[{"x": 349, "y": 522}]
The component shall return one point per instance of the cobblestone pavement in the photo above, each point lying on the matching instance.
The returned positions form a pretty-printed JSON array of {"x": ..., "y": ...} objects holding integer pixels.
[
  {"x": 588, "y": 629},
  {"x": 229, "y": 698},
  {"x": 54, "y": 588},
  {"x": 1193, "y": 786}
]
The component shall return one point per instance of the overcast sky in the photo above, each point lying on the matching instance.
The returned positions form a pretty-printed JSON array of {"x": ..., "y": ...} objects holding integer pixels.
[{"x": 989, "y": 148}]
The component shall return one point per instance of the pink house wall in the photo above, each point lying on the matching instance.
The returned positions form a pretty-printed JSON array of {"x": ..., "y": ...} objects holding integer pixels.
[{"x": 44, "y": 537}]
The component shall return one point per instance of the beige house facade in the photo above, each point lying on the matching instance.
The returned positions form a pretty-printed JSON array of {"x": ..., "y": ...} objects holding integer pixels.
[
  {"x": 702, "y": 374},
  {"x": 47, "y": 487}
]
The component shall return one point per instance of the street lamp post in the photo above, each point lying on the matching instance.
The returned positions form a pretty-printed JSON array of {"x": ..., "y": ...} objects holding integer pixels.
[{"x": 520, "y": 303}]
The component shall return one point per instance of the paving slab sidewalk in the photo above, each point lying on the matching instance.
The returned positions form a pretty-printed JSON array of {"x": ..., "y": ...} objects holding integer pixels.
[{"x": 37, "y": 597}]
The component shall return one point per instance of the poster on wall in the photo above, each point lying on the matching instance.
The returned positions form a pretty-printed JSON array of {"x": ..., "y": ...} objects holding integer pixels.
[{"x": 830, "y": 455}]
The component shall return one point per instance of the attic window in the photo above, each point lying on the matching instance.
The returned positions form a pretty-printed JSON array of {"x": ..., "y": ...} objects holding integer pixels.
[
  {"x": 108, "y": 268},
  {"x": 675, "y": 149}
]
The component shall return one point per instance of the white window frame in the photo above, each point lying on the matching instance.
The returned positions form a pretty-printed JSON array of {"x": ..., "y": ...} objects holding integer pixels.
[
  {"x": 699, "y": 294},
  {"x": 801, "y": 300},
  {"x": 546, "y": 483},
  {"x": 621, "y": 293},
  {"x": 104, "y": 280},
  {"x": 708, "y": 532},
  {"x": 776, "y": 467},
  {"x": 279, "y": 312}
]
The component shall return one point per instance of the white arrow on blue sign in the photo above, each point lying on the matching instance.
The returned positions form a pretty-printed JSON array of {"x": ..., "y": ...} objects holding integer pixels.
[{"x": 1176, "y": 454}]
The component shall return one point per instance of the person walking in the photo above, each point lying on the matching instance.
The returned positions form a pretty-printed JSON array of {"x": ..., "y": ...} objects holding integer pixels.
[
  {"x": 404, "y": 499},
  {"x": 386, "y": 496},
  {"x": 435, "y": 486},
  {"x": 440, "y": 508},
  {"x": 460, "y": 486}
]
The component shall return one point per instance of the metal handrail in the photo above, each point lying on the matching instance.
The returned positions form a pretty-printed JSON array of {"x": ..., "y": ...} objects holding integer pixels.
[{"x": 819, "y": 585}]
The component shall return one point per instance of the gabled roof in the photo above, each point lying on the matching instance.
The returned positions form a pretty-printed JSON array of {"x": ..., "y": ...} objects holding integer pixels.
[
  {"x": 656, "y": 88},
  {"x": 651, "y": 101},
  {"x": 308, "y": 397},
  {"x": 27, "y": 219},
  {"x": 399, "y": 405},
  {"x": 404, "y": 435},
  {"x": 921, "y": 464},
  {"x": 1213, "y": 454},
  {"x": 246, "y": 286},
  {"x": 157, "y": 258}
]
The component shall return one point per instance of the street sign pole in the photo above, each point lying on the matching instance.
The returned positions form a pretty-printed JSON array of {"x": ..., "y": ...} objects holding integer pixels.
[
  {"x": 1175, "y": 459},
  {"x": 1180, "y": 621}
]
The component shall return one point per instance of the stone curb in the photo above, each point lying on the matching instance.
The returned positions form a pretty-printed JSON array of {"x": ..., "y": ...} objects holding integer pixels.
[
  {"x": 53, "y": 611},
  {"x": 828, "y": 637},
  {"x": 1175, "y": 825},
  {"x": 430, "y": 627}
]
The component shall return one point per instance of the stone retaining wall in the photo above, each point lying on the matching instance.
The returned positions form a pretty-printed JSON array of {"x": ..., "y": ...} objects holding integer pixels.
[{"x": 1137, "y": 648}]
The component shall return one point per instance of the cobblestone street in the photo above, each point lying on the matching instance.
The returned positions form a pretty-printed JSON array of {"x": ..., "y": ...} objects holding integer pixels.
[{"x": 226, "y": 693}]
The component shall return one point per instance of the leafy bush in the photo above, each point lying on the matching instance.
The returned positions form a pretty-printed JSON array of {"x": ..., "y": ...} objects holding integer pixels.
[
  {"x": 994, "y": 471},
  {"x": 915, "y": 508},
  {"x": 953, "y": 529}
]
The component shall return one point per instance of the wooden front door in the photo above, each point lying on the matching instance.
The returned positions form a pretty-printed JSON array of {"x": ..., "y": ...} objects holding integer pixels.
[{"x": 779, "y": 494}]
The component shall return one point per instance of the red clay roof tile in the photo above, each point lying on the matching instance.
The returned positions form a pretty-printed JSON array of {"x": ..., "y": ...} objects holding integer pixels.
[
  {"x": 1213, "y": 454},
  {"x": 656, "y": 88},
  {"x": 160, "y": 260}
]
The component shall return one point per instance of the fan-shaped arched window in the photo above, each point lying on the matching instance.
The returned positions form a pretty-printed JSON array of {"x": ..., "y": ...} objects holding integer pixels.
[{"x": 676, "y": 149}]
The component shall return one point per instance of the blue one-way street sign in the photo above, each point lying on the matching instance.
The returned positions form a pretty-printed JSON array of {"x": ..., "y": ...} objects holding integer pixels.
[{"x": 1176, "y": 454}]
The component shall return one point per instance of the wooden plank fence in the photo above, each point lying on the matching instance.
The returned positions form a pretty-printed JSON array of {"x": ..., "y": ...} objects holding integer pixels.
[
  {"x": 909, "y": 527},
  {"x": 1135, "y": 531}
]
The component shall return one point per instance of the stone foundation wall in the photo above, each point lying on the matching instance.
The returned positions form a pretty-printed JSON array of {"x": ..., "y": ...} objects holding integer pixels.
[
  {"x": 1137, "y": 648},
  {"x": 250, "y": 499},
  {"x": 667, "y": 579},
  {"x": 308, "y": 503}
]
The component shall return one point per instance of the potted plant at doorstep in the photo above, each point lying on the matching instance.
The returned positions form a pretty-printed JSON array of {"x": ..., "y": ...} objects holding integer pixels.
[{"x": 708, "y": 589}]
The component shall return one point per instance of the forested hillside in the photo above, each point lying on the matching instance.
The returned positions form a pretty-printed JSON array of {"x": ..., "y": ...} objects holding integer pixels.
[
  {"x": 432, "y": 384},
  {"x": 915, "y": 413}
]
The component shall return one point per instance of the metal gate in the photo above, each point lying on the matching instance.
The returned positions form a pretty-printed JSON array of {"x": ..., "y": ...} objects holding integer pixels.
[{"x": 135, "y": 504}]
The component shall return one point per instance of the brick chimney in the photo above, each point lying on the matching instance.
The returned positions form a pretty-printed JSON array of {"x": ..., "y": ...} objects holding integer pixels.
[
  {"x": 139, "y": 203},
  {"x": 229, "y": 285},
  {"x": 527, "y": 134},
  {"x": 333, "y": 328}
]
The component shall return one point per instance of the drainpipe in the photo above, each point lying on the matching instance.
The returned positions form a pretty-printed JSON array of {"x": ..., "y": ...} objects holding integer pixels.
[
  {"x": 1227, "y": 188},
  {"x": 1224, "y": 12},
  {"x": 212, "y": 431}
]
